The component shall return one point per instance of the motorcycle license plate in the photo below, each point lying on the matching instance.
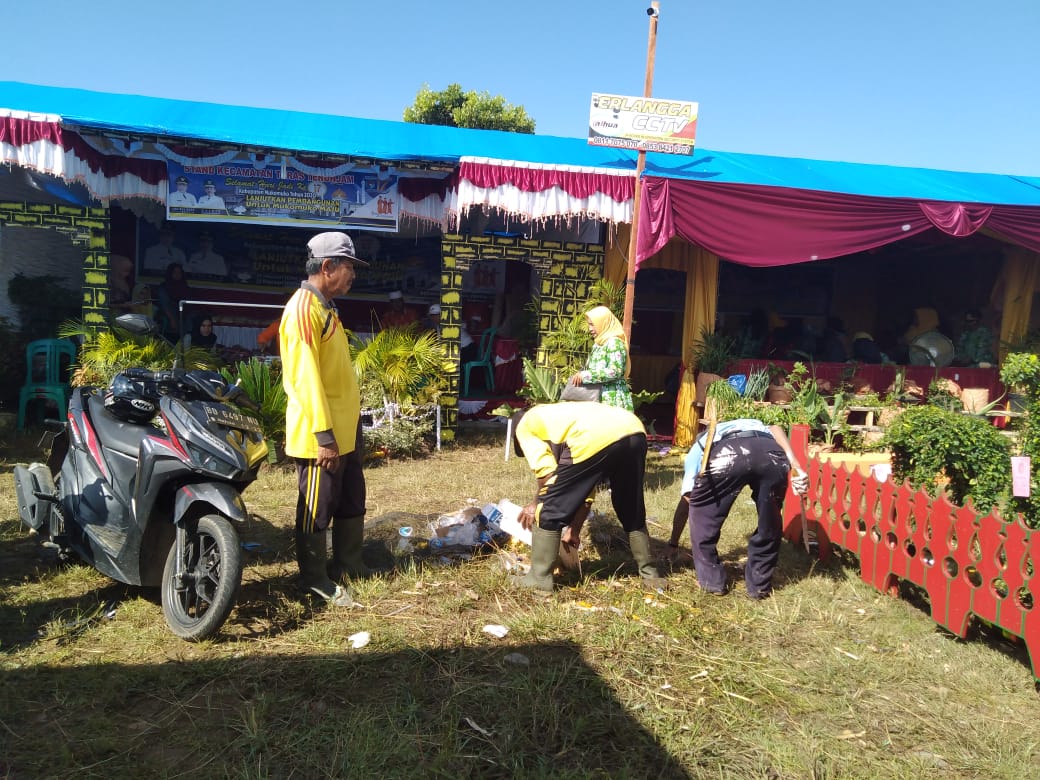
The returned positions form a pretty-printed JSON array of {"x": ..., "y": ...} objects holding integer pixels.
[{"x": 229, "y": 418}]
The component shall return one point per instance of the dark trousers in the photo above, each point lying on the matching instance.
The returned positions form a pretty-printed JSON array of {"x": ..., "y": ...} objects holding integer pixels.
[
  {"x": 733, "y": 464},
  {"x": 325, "y": 495},
  {"x": 623, "y": 463}
]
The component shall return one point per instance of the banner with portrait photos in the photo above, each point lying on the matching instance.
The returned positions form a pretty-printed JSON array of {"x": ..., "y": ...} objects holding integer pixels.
[{"x": 273, "y": 193}]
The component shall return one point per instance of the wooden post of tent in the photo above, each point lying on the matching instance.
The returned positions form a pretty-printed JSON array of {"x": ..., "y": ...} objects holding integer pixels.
[{"x": 648, "y": 85}]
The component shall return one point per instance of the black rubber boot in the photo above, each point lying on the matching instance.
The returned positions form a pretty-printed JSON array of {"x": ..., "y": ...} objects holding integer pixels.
[
  {"x": 639, "y": 543},
  {"x": 348, "y": 534},
  {"x": 310, "y": 555},
  {"x": 544, "y": 546}
]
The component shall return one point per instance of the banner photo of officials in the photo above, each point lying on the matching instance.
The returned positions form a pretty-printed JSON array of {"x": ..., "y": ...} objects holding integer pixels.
[{"x": 278, "y": 194}]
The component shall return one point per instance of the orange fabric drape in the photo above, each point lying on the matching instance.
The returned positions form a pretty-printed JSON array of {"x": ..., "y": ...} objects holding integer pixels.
[
  {"x": 1019, "y": 279},
  {"x": 615, "y": 261},
  {"x": 702, "y": 287},
  {"x": 701, "y": 295}
]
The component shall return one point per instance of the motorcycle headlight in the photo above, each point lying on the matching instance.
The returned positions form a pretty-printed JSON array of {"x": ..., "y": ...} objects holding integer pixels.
[{"x": 209, "y": 462}]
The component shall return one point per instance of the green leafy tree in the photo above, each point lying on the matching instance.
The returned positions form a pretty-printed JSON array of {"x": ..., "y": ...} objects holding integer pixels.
[{"x": 451, "y": 107}]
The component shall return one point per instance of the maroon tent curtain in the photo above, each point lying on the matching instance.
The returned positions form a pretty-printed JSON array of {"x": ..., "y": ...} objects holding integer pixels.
[{"x": 766, "y": 226}]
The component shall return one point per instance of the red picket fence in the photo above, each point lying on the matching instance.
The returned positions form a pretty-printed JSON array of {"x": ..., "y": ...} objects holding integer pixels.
[{"x": 967, "y": 563}]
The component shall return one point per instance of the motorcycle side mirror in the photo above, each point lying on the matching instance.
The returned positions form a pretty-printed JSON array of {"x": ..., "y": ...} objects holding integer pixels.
[{"x": 138, "y": 324}]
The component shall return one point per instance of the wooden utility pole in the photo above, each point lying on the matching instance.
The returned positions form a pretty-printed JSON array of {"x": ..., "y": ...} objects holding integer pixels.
[{"x": 648, "y": 86}]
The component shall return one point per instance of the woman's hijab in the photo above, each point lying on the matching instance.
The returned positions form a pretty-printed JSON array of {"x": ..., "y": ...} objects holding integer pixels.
[{"x": 609, "y": 327}]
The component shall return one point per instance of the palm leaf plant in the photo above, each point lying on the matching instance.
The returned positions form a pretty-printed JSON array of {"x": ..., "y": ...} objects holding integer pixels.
[
  {"x": 567, "y": 349},
  {"x": 401, "y": 366},
  {"x": 713, "y": 352},
  {"x": 542, "y": 384},
  {"x": 262, "y": 382},
  {"x": 103, "y": 354},
  {"x": 400, "y": 369}
]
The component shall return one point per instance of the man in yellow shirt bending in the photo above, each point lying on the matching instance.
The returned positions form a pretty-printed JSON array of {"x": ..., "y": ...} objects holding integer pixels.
[
  {"x": 323, "y": 420},
  {"x": 571, "y": 447}
]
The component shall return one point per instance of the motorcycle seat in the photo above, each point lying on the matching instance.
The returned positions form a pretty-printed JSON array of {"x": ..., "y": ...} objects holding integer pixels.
[{"x": 115, "y": 434}]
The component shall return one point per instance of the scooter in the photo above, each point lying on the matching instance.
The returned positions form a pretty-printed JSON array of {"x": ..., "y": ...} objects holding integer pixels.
[{"x": 144, "y": 483}]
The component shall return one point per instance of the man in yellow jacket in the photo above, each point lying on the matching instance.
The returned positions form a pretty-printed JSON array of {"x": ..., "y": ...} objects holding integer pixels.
[
  {"x": 323, "y": 420},
  {"x": 571, "y": 447}
]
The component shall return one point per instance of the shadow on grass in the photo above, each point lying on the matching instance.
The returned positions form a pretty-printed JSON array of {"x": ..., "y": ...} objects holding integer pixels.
[{"x": 449, "y": 712}]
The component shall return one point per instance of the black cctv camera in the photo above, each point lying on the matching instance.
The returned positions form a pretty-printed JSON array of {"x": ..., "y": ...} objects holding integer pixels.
[{"x": 651, "y": 11}]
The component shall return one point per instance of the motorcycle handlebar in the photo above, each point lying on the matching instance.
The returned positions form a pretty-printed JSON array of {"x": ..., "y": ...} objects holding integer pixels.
[
  {"x": 240, "y": 397},
  {"x": 151, "y": 376},
  {"x": 234, "y": 393},
  {"x": 140, "y": 373}
]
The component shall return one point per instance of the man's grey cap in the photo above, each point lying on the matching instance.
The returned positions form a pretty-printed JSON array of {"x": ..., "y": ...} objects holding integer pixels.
[{"x": 333, "y": 244}]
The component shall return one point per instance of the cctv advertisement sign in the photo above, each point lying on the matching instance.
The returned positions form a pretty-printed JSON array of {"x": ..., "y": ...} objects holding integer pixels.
[
  {"x": 275, "y": 194},
  {"x": 646, "y": 124}
]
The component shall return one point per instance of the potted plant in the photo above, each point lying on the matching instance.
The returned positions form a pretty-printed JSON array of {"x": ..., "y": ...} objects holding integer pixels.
[
  {"x": 779, "y": 390},
  {"x": 757, "y": 385},
  {"x": 1019, "y": 372},
  {"x": 711, "y": 355}
]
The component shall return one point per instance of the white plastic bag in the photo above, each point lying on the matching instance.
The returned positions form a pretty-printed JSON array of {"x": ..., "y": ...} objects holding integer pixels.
[{"x": 510, "y": 521}]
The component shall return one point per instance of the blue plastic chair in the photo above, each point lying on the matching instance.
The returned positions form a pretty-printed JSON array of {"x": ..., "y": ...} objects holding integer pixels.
[
  {"x": 485, "y": 359},
  {"x": 46, "y": 376}
]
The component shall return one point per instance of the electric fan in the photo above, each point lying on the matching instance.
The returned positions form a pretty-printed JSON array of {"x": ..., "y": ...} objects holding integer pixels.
[{"x": 931, "y": 349}]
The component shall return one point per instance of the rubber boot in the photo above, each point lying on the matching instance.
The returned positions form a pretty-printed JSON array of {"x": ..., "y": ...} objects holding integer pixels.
[
  {"x": 347, "y": 538},
  {"x": 544, "y": 546},
  {"x": 639, "y": 543},
  {"x": 310, "y": 555}
]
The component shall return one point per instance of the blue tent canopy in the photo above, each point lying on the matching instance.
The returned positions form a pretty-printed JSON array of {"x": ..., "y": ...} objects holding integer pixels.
[{"x": 400, "y": 141}]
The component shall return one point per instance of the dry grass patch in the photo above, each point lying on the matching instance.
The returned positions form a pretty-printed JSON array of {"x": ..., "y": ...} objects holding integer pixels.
[{"x": 826, "y": 679}]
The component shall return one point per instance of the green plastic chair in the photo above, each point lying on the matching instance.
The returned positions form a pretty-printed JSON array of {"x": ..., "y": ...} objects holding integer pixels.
[
  {"x": 485, "y": 359},
  {"x": 47, "y": 365}
]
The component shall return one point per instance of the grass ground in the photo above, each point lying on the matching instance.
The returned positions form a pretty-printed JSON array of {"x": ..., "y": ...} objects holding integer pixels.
[{"x": 828, "y": 679}]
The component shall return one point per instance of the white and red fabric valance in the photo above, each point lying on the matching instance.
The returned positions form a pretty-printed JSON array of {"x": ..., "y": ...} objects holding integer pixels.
[
  {"x": 536, "y": 191},
  {"x": 528, "y": 191},
  {"x": 40, "y": 143}
]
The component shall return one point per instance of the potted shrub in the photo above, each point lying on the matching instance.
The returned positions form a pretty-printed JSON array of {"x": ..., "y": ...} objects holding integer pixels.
[
  {"x": 1019, "y": 372},
  {"x": 945, "y": 451},
  {"x": 711, "y": 355}
]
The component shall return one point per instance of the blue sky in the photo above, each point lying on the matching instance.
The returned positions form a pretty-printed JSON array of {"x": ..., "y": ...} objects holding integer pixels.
[{"x": 950, "y": 84}]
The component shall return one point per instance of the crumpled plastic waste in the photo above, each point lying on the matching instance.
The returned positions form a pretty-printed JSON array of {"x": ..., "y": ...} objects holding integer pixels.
[
  {"x": 359, "y": 640},
  {"x": 474, "y": 526}
]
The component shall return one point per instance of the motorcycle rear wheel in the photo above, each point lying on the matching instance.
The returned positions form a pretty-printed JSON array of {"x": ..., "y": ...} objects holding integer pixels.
[{"x": 197, "y": 606}]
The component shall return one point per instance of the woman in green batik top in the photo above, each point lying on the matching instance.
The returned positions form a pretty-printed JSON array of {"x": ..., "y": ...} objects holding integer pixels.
[{"x": 608, "y": 363}]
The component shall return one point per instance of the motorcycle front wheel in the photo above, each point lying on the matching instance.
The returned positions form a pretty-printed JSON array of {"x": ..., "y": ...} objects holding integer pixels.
[{"x": 197, "y": 603}]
